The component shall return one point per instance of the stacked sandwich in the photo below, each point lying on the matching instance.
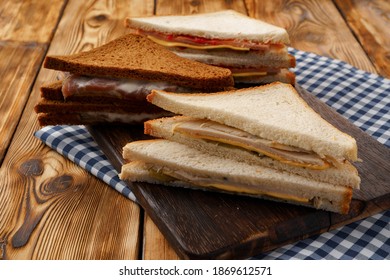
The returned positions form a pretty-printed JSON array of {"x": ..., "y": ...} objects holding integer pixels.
[
  {"x": 253, "y": 50},
  {"x": 263, "y": 141},
  {"x": 109, "y": 84}
]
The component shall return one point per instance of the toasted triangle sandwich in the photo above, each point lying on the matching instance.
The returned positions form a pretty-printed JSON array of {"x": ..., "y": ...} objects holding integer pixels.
[
  {"x": 268, "y": 128},
  {"x": 254, "y": 50},
  {"x": 109, "y": 83},
  {"x": 274, "y": 112},
  {"x": 165, "y": 162}
]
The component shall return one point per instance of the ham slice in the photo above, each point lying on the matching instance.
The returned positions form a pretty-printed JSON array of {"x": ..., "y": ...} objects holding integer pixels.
[
  {"x": 214, "y": 131},
  {"x": 119, "y": 88}
]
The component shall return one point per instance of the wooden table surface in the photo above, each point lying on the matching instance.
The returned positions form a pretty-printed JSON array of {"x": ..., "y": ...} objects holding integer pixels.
[{"x": 52, "y": 209}]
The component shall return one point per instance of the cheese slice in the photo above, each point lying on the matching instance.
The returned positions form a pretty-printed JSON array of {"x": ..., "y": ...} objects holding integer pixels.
[
  {"x": 249, "y": 74},
  {"x": 209, "y": 130},
  {"x": 198, "y": 47},
  {"x": 164, "y": 174}
]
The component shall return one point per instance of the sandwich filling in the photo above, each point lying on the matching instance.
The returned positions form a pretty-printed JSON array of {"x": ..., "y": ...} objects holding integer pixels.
[
  {"x": 274, "y": 58},
  {"x": 167, "y": 175},
  {"x": 135, "y": 90},
  {"x": 250, "y": 72},
  {"x": 223, "y": 134},
  {"x": 254, "y": 66},
  {"x": 263, "y": 59},
  {"x": 110, "y": 117},
  {"x": 188, "y": 41}
]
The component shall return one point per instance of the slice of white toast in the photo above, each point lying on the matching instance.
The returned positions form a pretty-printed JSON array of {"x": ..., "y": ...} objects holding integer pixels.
[
  {"x": 227, "y": 24},
  {"x": 274, "y": 112}
]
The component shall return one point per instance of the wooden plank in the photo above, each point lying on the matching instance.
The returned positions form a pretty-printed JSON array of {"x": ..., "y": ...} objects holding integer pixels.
[
  {"x": 156, "y": 247},
  {"x": 19, "y": 63},
  {"x": 51, "y": 208},
  {"x": 313, "y": 26},
  {"x": 166, "y": 7},
  {"x": 24, "y": 37},
  {"x": 370, "y": 23},
  {"x": 210, "y": 225},
  {"x": 29, "y": 21},
  {"x": 88, "y": 24}
]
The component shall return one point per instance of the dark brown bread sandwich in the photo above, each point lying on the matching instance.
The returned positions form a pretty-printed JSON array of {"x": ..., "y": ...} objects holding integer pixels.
[{"x": 110, "y": 83}]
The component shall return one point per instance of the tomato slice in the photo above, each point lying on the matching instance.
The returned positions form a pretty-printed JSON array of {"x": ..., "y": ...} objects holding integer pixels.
[{"x": 201, "y": 41}]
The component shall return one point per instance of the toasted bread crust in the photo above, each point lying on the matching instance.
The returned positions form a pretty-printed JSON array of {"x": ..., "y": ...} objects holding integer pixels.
[{"x": 136, "y": 57}]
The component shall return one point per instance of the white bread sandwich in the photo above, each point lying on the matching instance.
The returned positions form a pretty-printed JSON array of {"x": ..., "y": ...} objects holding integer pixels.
[
  {"x": 270, "y": 126},
  {"x": 108, "y": 84},
  {"x": 255, "y": 51},
  {"x": 169, "y": 163}
]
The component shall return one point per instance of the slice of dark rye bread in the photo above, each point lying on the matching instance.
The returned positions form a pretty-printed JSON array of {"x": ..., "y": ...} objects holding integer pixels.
[
  {"x": 55, "y": 106},
  {"x": 77, "y": 118},
  {"x": 136, "y": 57}
]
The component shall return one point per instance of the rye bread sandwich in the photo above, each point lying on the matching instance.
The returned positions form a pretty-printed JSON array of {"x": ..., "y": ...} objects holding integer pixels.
[
  {"x": 255, "y": 51},
  {"x": 108, "y": 84}
]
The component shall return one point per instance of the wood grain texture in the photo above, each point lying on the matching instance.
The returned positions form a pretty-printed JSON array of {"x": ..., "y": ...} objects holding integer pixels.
[
  {"x": 156, "y": 247},
  {"x": 370, "y": 22},
  {"x": 51, "y": 208},
  {"x": 24, "y": 38},
  {"x": 313, "y": 26},
  {"x": 29, "y": 21},
  {"x": 88, "y": 24},
  {"x": 19, "y": 63},
  {"x": 166, "y": 7}
]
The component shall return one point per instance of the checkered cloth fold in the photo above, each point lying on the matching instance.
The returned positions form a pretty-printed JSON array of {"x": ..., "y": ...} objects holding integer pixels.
[{"x": 363, "y": 98}]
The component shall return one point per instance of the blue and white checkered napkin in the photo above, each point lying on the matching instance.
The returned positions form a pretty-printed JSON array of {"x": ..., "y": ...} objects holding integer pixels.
[{"x": 361, "y": 97}]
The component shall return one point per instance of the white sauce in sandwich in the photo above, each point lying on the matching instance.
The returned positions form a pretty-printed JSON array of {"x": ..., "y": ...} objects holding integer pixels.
[
  {"x": 117, "y": 117},
  {"x": 119, "y": 88}
]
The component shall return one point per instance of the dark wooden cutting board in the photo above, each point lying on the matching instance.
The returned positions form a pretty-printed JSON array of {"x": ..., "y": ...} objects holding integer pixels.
[{"x": 207, "y": 225}]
